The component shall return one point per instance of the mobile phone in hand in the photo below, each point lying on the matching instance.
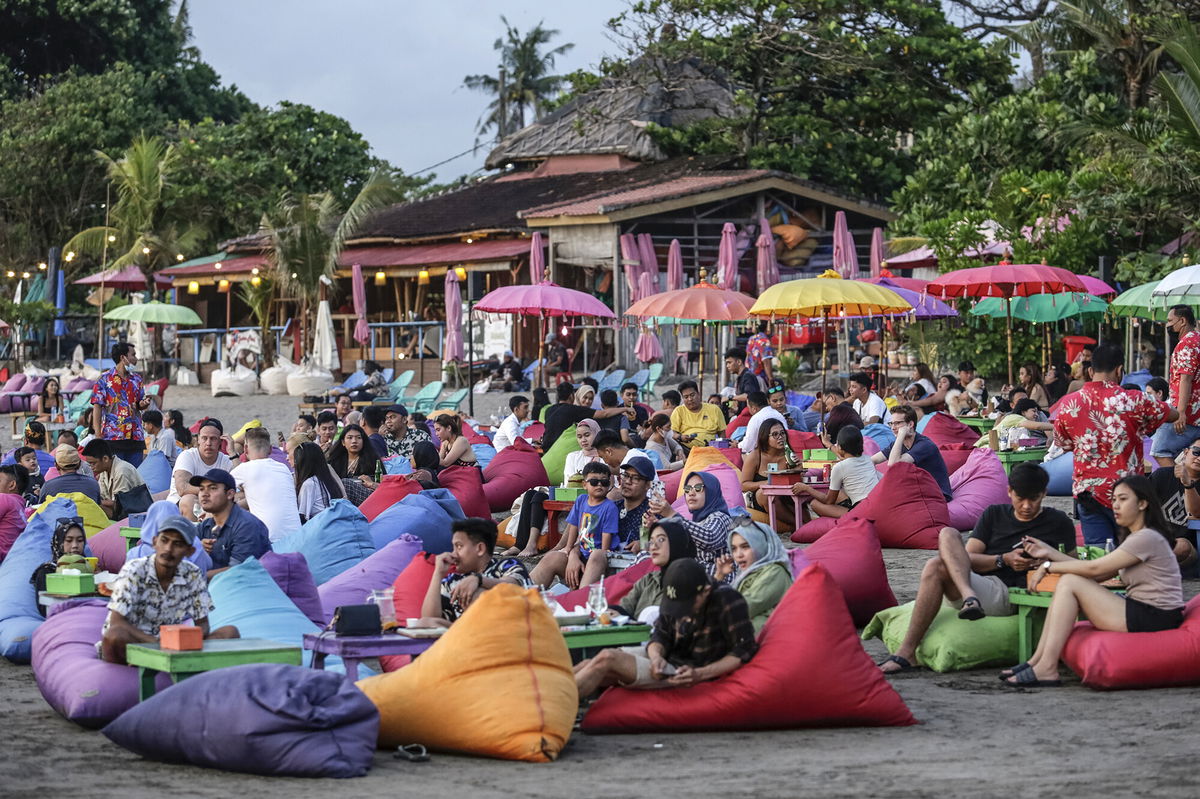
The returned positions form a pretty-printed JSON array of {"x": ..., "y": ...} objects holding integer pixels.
[{"x": 668, "y": 670}]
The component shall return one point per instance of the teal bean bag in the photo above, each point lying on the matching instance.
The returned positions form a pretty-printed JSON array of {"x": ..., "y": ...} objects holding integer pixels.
[
  {"x": 156, "y": 471},
  {"x": 555, "y": 458},
  {"x": 426, "y": 515},
  {"x": 1059, "y": 469},
  {"x": 19, "y": 615},
  {"x": 332, "y": 541},
  {"x": 952, "y": 644}
]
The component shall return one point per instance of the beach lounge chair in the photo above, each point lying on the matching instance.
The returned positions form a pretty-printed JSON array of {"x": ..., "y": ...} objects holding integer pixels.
[
  {"x": 614, "y": 380},
  {"x": 350, "y": 383},
  {"x": 423, "y": 401},
  {"x": 452, "y": 402},
  {"x": 639, "y": 379},
  {"x": 78, "y": 404},
  {"x": 655, "y": 370},
  {"x": 394, "y": 390}
]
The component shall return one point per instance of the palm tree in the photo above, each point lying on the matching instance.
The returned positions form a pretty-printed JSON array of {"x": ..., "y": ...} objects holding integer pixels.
[
  {"x": 1121, "y": 30},
  {"x": 528, "y": 84},
  {"x": 1181, "y": 90}
]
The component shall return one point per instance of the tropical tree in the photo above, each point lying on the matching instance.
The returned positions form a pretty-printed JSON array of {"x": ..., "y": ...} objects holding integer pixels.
[{"x": 528, "y": 84}]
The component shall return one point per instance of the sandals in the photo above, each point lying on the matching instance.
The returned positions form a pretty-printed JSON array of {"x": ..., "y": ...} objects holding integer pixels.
[
  {"x": 971, "y": 610},
  {"x": 413, "y": 753},
  {"x": 1026, "y": 678},
  {"x": 1004, "y": 675},
  {"x": 903, "y": 663}
]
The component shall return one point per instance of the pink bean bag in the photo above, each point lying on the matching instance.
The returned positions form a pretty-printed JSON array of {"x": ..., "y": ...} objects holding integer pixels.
[
  {"x": 852, "y": 556},
  {"x": 466, "y": 484},
  {"x": 377, "y": 572},
  {"x": 979, "y": 483},
  {"x": 800, "y": 441},
  {"x": 615, "y": 587},
  {"x": 671, "y": 483},
  {"x": 815, "y": 529},
  {"x": 810, "y": 671},
  {"x": 109, "y": 547},
  {"x": 946, "y": 430},
  {"x": 1109, "y": 660},
  {"x": 392, "y": 488},
  {"x": 731, "y": 488},
  {"x": 511, "y": 473}
]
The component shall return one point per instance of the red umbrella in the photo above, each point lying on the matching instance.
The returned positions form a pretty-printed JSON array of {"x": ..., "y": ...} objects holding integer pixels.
[
  {"x": 362, "y": 332},
  {"x": 128, "y": 278},
  {"x": 845, "y": 254},
  {"x": 537, "y": 258}
]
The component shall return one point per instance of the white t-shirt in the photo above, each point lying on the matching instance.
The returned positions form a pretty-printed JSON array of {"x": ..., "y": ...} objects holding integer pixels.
[
  {"x": 270, "y": 491},
  {"x": 313, "y": 498},
  {"x": 508, "y": 432},
  {"x": 189, "y": 461},
  {"x": 750, "y": 440},
  {"x": 874, "y": 406},
  {"x": 574, "y": 464},
  {"x": 854, "y": 476}
]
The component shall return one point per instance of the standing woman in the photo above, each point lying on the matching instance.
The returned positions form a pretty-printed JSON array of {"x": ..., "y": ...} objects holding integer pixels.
[
  {"x": 1030, "y": 378},
  {"x": 316, "y": 484},
  {"x": 1145, "y": 560},
  {"x": 455, "y": 449},
  {"x": 50, "y": 405},
  {"x": 710, "y": 522}
]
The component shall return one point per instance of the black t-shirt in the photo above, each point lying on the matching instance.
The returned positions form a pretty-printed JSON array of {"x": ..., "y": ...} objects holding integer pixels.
[
  {"x": 926, "y": 455},
  {"x": 1170, "y": 493},
  {"x": 1000, "y": 531},
  {"x": 747, "y": 383},
  {"x": 558, "y": 418}
]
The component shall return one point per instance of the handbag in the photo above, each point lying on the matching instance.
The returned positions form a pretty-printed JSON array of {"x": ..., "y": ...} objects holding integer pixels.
[
  {"x": 357, "y": 620},
  {"x": 135, "y": 500}
]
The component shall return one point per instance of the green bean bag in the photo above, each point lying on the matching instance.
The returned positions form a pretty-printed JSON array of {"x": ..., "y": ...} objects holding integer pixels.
[
  {"x": 952, "y": 644},
  {"x": 556, "y": 457}
]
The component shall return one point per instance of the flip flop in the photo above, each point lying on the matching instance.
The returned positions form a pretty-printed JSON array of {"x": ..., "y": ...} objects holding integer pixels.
[
  {"x": 1004, "y": 675},
  {"x": 971, "y": 610},
  {"x": 1025, "y": 678},
  {"x": 903, "y": 663},
  {"x": 413, "y": 753}
]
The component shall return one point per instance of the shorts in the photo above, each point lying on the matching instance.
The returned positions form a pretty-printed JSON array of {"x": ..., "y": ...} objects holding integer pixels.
[
  {"x": 1167, "y": 443},
  {"x": 1143, "y": 618},
  {"x": 847, "y": 504},
  {"x": 992, "y": 594},
  {"x": 645, "y": 680}
]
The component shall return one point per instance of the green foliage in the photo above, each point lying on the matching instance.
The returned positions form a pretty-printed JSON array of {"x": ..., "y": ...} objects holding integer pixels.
[
  {"x": 982, "y": 341},
  {"x": 26, "y": 313},
  {"x": 787, "y": 366}
]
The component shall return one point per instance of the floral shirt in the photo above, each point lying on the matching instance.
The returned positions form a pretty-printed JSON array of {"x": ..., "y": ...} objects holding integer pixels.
[
  {"x": 404, "y": 446},
  {"x": 138, "y": 595},
  {"x": 118, "y": 398},
  {"x": 1104, "y": 425},
  {"x": 758, "y": 349},
  {"x": 497, "y": 569},
  {"x": 1185, "y": 360}
]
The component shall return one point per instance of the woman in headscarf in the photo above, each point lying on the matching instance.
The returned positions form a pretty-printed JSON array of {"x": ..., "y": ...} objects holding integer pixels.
[
  {"x": 156, "y": 514},
  {"x": 426, "y": 463},
  {"x": 68, "y": 539},
  {"x": 585, "y": 434},
  {"x": 669, "y": 542},
  {"x": 710, "y": 522},
  {"x": 761, "y": 569}
]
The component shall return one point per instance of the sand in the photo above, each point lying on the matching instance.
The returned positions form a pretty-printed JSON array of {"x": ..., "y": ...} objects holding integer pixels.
[{"x": 975, "y": 737}]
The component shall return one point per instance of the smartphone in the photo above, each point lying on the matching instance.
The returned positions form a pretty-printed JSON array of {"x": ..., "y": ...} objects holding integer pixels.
[{"x": 668, "y": 670}]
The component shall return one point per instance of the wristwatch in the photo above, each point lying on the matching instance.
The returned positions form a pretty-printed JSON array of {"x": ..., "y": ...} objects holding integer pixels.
[{"x": 1000, "y": 561}]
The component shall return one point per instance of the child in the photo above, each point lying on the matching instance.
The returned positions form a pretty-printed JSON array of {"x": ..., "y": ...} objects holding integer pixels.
[
  {"x": 27, "y": 457},
  {"x": 591, "y": 527},
  {"x": 161, "y": 438},
  {"x": 851, "y": 479},
  {"x": 761, "y": 568},
  {"x": 474, "y": 571}
]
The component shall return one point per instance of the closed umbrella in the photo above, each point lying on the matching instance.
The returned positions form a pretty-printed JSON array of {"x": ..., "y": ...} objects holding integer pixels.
[
  {"x": 359, "y": 289},
  {"x": 648, "y": 347},
  {"x": 60, "y": 305},
  {"x": 452, "y": 350},
  {"x": 537, "y": 258},
  {"x": 764, "y": 262},
  {"x": 649, "y": 258},
  {"x": 631, "y": 261},
  {"x": 845, "y": 254},
  {"x": 877, "y": 257},
  {"x": 674, "y": 266},
  {"x": 727, "y": 268},
  {"x": 325, "y": 351}
]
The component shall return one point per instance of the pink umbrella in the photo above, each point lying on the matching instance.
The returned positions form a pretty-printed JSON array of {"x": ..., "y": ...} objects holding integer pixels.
[
  {"x": 537, "y": 259},
  {"x": 128, "y": 277},
  {"x": 764, "y": 228},
  {"x": 362, "y": 333},
  {"x": 453, "y": 348},
  {"x": 877, "y": 257},
  {"x": 649, "y": 259},
  {"x": 1096, "y": 286},
  {"x": 727, "y": 267},
  {"x": 631, "y": 259},
  {"x": 648, "y": 347},
  {"x": 845, "y": 254},
  {"x": 675, "y": 266},
  {"x": 765, "y": 262}
]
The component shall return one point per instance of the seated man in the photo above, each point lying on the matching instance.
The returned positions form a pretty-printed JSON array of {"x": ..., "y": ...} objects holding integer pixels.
[
  {"x": 592, "y": 528},
  {"x": 912, "y": 447},
  {"x": 975, "y": 578},
  {"x": 636, "y": 478},
  {"x": 695, "y": 422},
  {"x": 114, "y": 475},
  {"x": 822, "y": 405},
  {"x": 615, "y": 451},
  {"x": 229, "y": 535},
  {"x": 702, "y": 632},
  {"x": 66, "y": 459},
  {"x": 162, "y": 588},
  {"x": 196, "y": 460},
  {"x": 474, "y": 571},
  {"x": 267, "y": 486}
]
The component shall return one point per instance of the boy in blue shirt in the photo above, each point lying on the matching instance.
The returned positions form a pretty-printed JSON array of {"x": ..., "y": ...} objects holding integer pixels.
[{"x": 591, "y": 527}]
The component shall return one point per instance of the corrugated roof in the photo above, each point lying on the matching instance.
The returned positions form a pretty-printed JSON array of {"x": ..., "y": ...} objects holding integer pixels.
[{"x": 204, "y": 267}]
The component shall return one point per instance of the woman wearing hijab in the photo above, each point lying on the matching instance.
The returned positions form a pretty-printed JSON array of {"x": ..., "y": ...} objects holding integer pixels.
[
  {"x": 426, "y": 463},
  {"x": 68, "y": 539},
  {"x": 669, "y": 542},
  {"x": 156, "y": 514},
  {"x": 710, "y": 522},
  {"x": 585, "y": 434},
  {"x": 761, "y": 569}
]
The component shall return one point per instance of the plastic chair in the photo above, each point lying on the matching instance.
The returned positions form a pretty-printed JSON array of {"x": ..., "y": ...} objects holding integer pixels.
[
  {"x": 395, "y": 389},
  {"x": 599, "y": 376},
  {"x": 78, "y": 404},
  {"x": 614, "y": 380},
  {"x": 423, "y": 401},
  {"x": 654, "y": 373},
  {"x": 353, "y": 381},
  {"x": 451, "y": 402},
  {"x": 639, "y": 379}
]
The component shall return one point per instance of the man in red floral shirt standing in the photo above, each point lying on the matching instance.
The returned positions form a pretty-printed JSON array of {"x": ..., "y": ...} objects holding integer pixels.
[
  {"x": 759, "y": 354},
  {"x": 1170, "y": 440},
  {"x": 1104, "y": 425},
  {"x": 117, "y": 404}
]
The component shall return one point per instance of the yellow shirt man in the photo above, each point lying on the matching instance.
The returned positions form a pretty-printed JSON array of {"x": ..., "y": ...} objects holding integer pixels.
[{"x": 705, "y": 424}]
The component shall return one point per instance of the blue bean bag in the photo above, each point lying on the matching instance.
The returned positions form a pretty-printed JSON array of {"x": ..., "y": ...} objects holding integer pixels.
[
  {"x": 377, "y": 572},
  {"x": 881, "y": 435},
  {"x": 159, "y": 512},
  {"x": 332, "y": 541},
  {"x": 484, "y": 454},
  {"x": 263, "y": 718},
  {"x": 156, "y": 471},
  {"x": 1059, "y": 469},
  {"x": 19, "y": 615},
  {"x": 397, "y": 465},
  {"x": 422, "y": 515}
]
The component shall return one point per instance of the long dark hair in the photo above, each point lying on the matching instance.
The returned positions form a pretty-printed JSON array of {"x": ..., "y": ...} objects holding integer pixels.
[
  {"x": 46, "y": 390},
  {"x": 541, "y": 398},
  {"x": 840, "y": 416},
  {"x": 183, "y": 436},
  {"x": 339, "y": 457},
  {"x": 764, "y": 433},
  {"x": 1153, "y": 516},
  {"x": 310, "y": 462}
]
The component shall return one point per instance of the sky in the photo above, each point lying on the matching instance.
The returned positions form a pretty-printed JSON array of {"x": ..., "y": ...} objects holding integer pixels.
[{"x": 392, "y": 68}]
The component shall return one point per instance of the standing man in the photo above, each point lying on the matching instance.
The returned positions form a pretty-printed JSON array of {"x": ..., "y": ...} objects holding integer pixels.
[
  {"x": 512, "y": 426},
  {"x": 1171, "y": 439},
  {"x": 745, "y": 382},
  {"x": 229, "y": 535},
  {"x": 867, "y": 404},
  {"x": 1104, "y": 426},
  {"x": 266, "y": 486},
  {"x": 117, "y": 404},
  {"x": 759, "y": 355}
]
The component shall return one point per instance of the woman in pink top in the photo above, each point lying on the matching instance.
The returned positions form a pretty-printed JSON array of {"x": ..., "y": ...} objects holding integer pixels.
[
  {"x": 1145, "y": 560},
  {"x": 12, "y": 506}
]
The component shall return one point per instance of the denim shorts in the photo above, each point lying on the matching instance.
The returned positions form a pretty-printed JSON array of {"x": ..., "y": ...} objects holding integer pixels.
[{"x": 1167, "y": 443}]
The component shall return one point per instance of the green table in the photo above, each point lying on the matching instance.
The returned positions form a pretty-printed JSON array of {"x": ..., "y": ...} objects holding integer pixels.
[
  {"x": 1031, "y": 615},
  {"x": 1011, "y": 457},
  {"x": 216, "y": 654},
  {"x": 588, "y": 641},
  {"x": 980, "y": 423},
  {"x": 132, "y": 536}
]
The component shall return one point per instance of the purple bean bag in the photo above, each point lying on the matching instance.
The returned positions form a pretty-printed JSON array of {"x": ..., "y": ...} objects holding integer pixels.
[
  {"x": 377, "y": 572},
  {"x": 290, "y": 572},
  {"x": 259, "y": 719},
  {"x": 19, "y": 615}
]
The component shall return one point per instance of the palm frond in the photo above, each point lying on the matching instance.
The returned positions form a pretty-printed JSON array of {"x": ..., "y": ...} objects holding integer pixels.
[
  {"x": 380, "y": 191},
  {"x": 92, "y": 241}
]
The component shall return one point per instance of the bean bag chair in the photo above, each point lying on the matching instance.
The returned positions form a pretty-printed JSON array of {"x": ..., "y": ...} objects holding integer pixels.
[
  {"x": 156, "y": 471},
  {"x": 800, "y": 441},
  {"x": 880, "y": 435},
  {"x": 19, "y": 615},
  {"x": 332, "y": 541},
  {"x": 290, "y": 572},
  {"x": 272, "y": 719},
  {"x": 499, "y": 683},
  {"x": 731, "y": 488},
  {"x": 615, "y": 587},
  {"x": 379, "y": 571},
  {"x": 418, "y": 515},
  {"x": 698, "y": 459},
  {"x": 94, "y": 517},
  {"x": 408, "y": 594},
  {"x": 555, "y": 458},
  {"x": 1060, "y": 470},
  {"x": 981, "y": 482},
  {"x": 944, "y": 429},
  {"x": 392, "y": 489},
  {"x": 536, "y": 430},
  {"x": 952, "y": 644},
  {"x": 671, "y": 483},
  {"x": 907, "y": 507},
  {"x": 397, "y": 465},
  {"x": 109, "y": 547},
  {"x": 870, "y": 447},
  {"x": 484, "y": 452},
  {"x": 1108, "y": 660},
  {"x": 466, "y": 484},
  {"x": 511, "y": 473},
  {"x": 955, "y": 456},
  {"x": 813, "y": 530},
  {"x": 809, "y": 671},
  {"x": 149, "y": 521},
  {"x": 852, "y": 556}
]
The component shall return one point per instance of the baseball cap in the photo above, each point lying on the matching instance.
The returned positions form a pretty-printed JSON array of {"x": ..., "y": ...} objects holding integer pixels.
[
  {"x": 866, "y": 361},
  {"x": 66, "y": 455},
  {"x": 397, "y": 409},
  {"x": 683, "y": 582},
  {"x": 180, "y": 525},
  {"x": 217, "y": 476},
  {"x": 642, "y": 466}
]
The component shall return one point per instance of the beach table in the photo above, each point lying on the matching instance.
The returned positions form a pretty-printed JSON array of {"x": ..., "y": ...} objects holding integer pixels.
[
  {"x": 586, "y": 642},
  {"x": 1031, "y": 615},
  {"x": 353, "y": 649},
  {"x": 1011, "y": 457},
  {"x": 216, "y": 654},
  {"x": 132, "y": 536},
  {"x": 980, "y": 423},
  {"x": 553, "y": 507},
  {"x": 779, "y": 486}
]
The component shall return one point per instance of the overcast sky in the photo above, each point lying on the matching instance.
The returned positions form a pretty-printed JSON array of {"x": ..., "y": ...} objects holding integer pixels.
[{"x": 392, "y": 68}]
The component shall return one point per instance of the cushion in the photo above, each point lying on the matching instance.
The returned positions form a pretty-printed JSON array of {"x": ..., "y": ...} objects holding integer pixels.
[
  {"x": 290, "y": 572},
  {"x": 697, "y": 460},
  {"x": 555, "y": 458},
  {"x": 1109, "y": 660},
  {"x": 880, "y": 436},
  {"x": 615, "y": 587},
  {"x": 94, "y": 517},
  {"x": 159, "y": 512},
  {"x": 379, "y": 571},
  {"x": 810, "y": 670},
  {"x": 955, "y": 457},
  {"x": 417, "y": 515},
  {"x": 392, "y": 488},
  {"x": 273, "y": 719},
  {"x": 109, "y": 547},
  {"x": 1060, "y": 470},
  {"x": 981, "y": 482},
  {"x": 511, "y": 473},
  {"x": 332, "y": 541},
  {"x": 952, "y": 644},
  {"x": 19, "y": 615},
  {"x": 731, "y": 488},
  {"x": 945, "y": 429},
  {"x": 466, "y": 484},
  {"x": 155, "y": 469},
  {"x": 408, "y": 594},
  {"x": 907, "y": 507},
  {"x": 852, "y": 556},
  {"x": 499, "y": 683}
]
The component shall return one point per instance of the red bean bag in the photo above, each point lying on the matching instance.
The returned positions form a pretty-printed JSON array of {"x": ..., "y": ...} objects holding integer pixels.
[
  {"x": 511, "y": 473},
  {"x": 981, "y": 482},
  {"x": 907, "y": 507},
  {"x": 945, "y": 430},
  {"x": 955, "y": 456},
  {"x": 1108, "y": 660},
  {"x": 814, "y": 530},
  {"x": 466, "y": 484},
  {"x": 671, "y": 484},
  {"x": 810, "y": 671},
  {"x": 615, "y": 587},
  {"x": 408, "y": 593},
  {"x": 392, "y": 488},
  {"x": 854, "y": 559},
  {"x": 801, "y": 441}
]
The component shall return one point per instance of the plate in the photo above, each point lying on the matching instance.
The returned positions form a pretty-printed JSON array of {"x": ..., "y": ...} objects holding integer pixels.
[
  {"x": 576, "y": 618},
  {"x": 421, "y": 632}
]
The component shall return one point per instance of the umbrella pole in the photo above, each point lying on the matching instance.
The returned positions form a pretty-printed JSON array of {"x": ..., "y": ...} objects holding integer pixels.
[
  {"x": 824, "y": 360},
  {"x": 541, "y": 369},
  {"x": 1008, "y": 315},
  {"x": 700, "y": 373}
]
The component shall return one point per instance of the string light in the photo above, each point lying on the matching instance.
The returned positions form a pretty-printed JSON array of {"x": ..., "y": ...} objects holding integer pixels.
[
  {"x": 179, "y": 257},
  {"x": 217, "y": 265},
  {"x": 381, "y": 278},
  {"x": 71, "y": 255},
  {"x": 254, "y": 271},
  {"x": 145, "y": 251},
  {"x": 25, "y": 275},
  {"x": 112, "y": 238},
  {"x": 11, "y": 273},
  {"x": 42, "y": 266}
]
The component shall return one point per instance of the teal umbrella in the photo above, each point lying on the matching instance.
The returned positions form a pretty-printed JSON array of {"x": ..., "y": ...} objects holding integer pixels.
[
  {"x": 154, "y": 313},
  {"x": 1043, "y": 307},
  {"x": 1140, "y": 301}
]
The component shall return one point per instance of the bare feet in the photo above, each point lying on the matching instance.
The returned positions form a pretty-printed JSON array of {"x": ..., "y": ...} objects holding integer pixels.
[{"x": 508, "y": 553}]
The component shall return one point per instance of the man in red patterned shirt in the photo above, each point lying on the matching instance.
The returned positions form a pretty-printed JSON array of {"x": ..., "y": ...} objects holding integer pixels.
[
  {"x": 117, "y": 404},
  {"x": 1104, "y": 425},
  {"x": 1170, "y": 440},
  {"x": 759, "y": 354}
]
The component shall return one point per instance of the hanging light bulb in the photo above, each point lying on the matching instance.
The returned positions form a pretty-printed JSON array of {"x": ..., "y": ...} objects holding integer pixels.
[
  {"x": 223, "y": 286},
  {"x": 294, "y": 275},
  {"x": 70, "y": 255},
  {"x": 179, "y": 257},
  {"x": 256, "y": 281},
  {"x": 112, "y": 238},
  {"x": 460, "y": 273},
  {"x": 11, "y": 273},
  {"x": 25, "y": 275},
  {"x": 423, "y": 277},
  {"x": 564, "y": 330},
  {"x": 145, "y": 251},
  {"x": 254, "y": 271},
  {"x": 194, "y": 287},
  {"x": 42, "y": 266},
  {"x": 217, "y": 265},
  {"x": 381, "y": 278}
]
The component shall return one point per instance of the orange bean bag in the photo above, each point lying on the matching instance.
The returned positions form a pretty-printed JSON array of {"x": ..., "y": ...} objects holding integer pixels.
[
  {"x": 1108, "y": 660},
  {"x": 392, "y": 488},
  {"x": 499, "y": 683},
  {"x": 408, "y": 594},
  {"x": 853, "y": 557},
  {"x": 511, "y": 473},
  {"x": 466, "y": 484},
  {"x": 810, "y": 671}
]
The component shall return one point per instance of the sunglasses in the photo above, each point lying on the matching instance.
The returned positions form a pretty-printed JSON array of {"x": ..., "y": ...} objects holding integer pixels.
[
  {"x": 1196, "y": 451},
  {"x": 605, "y": 483},
  {"x": 694, "y": 489},
  {"x": 775, "y": 389}
]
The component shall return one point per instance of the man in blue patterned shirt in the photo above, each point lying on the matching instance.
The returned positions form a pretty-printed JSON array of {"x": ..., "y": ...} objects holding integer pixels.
[{"x": 475, "y": 571}]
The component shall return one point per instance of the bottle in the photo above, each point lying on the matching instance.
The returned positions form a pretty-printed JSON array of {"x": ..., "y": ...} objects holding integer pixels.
[
  {"x": 825, "y": 472},
  {"x": 1108, "y": 545},
  {"x": 790, "y": 456}
]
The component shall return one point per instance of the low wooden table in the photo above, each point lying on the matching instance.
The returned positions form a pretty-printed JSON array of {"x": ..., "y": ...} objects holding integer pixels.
[
  {"x": 553, "y": 507},
  {"x": 1011, "y": 457},
  {"x": 216, "y": 654},
  {"x": 353, "y": 649},
  {"x": 773, "y": 490}
]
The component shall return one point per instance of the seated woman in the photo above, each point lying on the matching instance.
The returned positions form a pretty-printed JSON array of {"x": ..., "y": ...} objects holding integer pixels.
[
  {"x": 762, "y": 572},
  {"x": 669, "y": 542},
  {"x": 850, "y": 481},
  {"x": 660, "y": 440},
  {"x": 1030, "y": 378},
  {"x": 936, "y": 400},
  {"x": 585, "y": 434},
  {"x": 50, "y": 403},
  {"x": 1027, "y": 415},
  {"x": 354, "y": 460},
  {"x": 1145, "y": 560},
  {"x": 710, "y": 523},
  {"x": 68, "y": 539},
  {"x": 771, "y": 448},
  {"x": 840, "y": 416},
  {"x": 316, "y": 484},
  {"x": 456, "y": 449},
  {"x": 426, "y": 463}
]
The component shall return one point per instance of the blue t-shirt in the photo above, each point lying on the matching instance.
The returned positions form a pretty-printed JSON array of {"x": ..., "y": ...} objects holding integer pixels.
[
  {"x": 593, "y": 522},
  {"x": 926, "y": 455},
  {"x": 243, "y": 536}
]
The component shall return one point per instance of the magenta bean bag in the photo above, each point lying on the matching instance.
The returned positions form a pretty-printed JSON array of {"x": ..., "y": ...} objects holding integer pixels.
[
  {"x": 466, "y": 484},
  {"x": 109, "y": 547},
  {"x": 955, "y": 456},
  {"x": 511, "y": 473},
  {"x": 815, "y": 529},
  {"x": 290, "y": 572},
  {"x": 392, "y": 488},
  {"x": 854, "y": 559},
  {"x": 1110, "y": 660},
  {"x": 979, "y": 483},
  {"x": 377, "y": 572},
  {"x": 945, "y": 430}
]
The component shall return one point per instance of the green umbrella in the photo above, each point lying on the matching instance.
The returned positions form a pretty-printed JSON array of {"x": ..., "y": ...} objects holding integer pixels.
[
  {"x": 1043, "y": 307},
  {"x": 1140, "y": 301},
  {"x": 154, "y": 313}
]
